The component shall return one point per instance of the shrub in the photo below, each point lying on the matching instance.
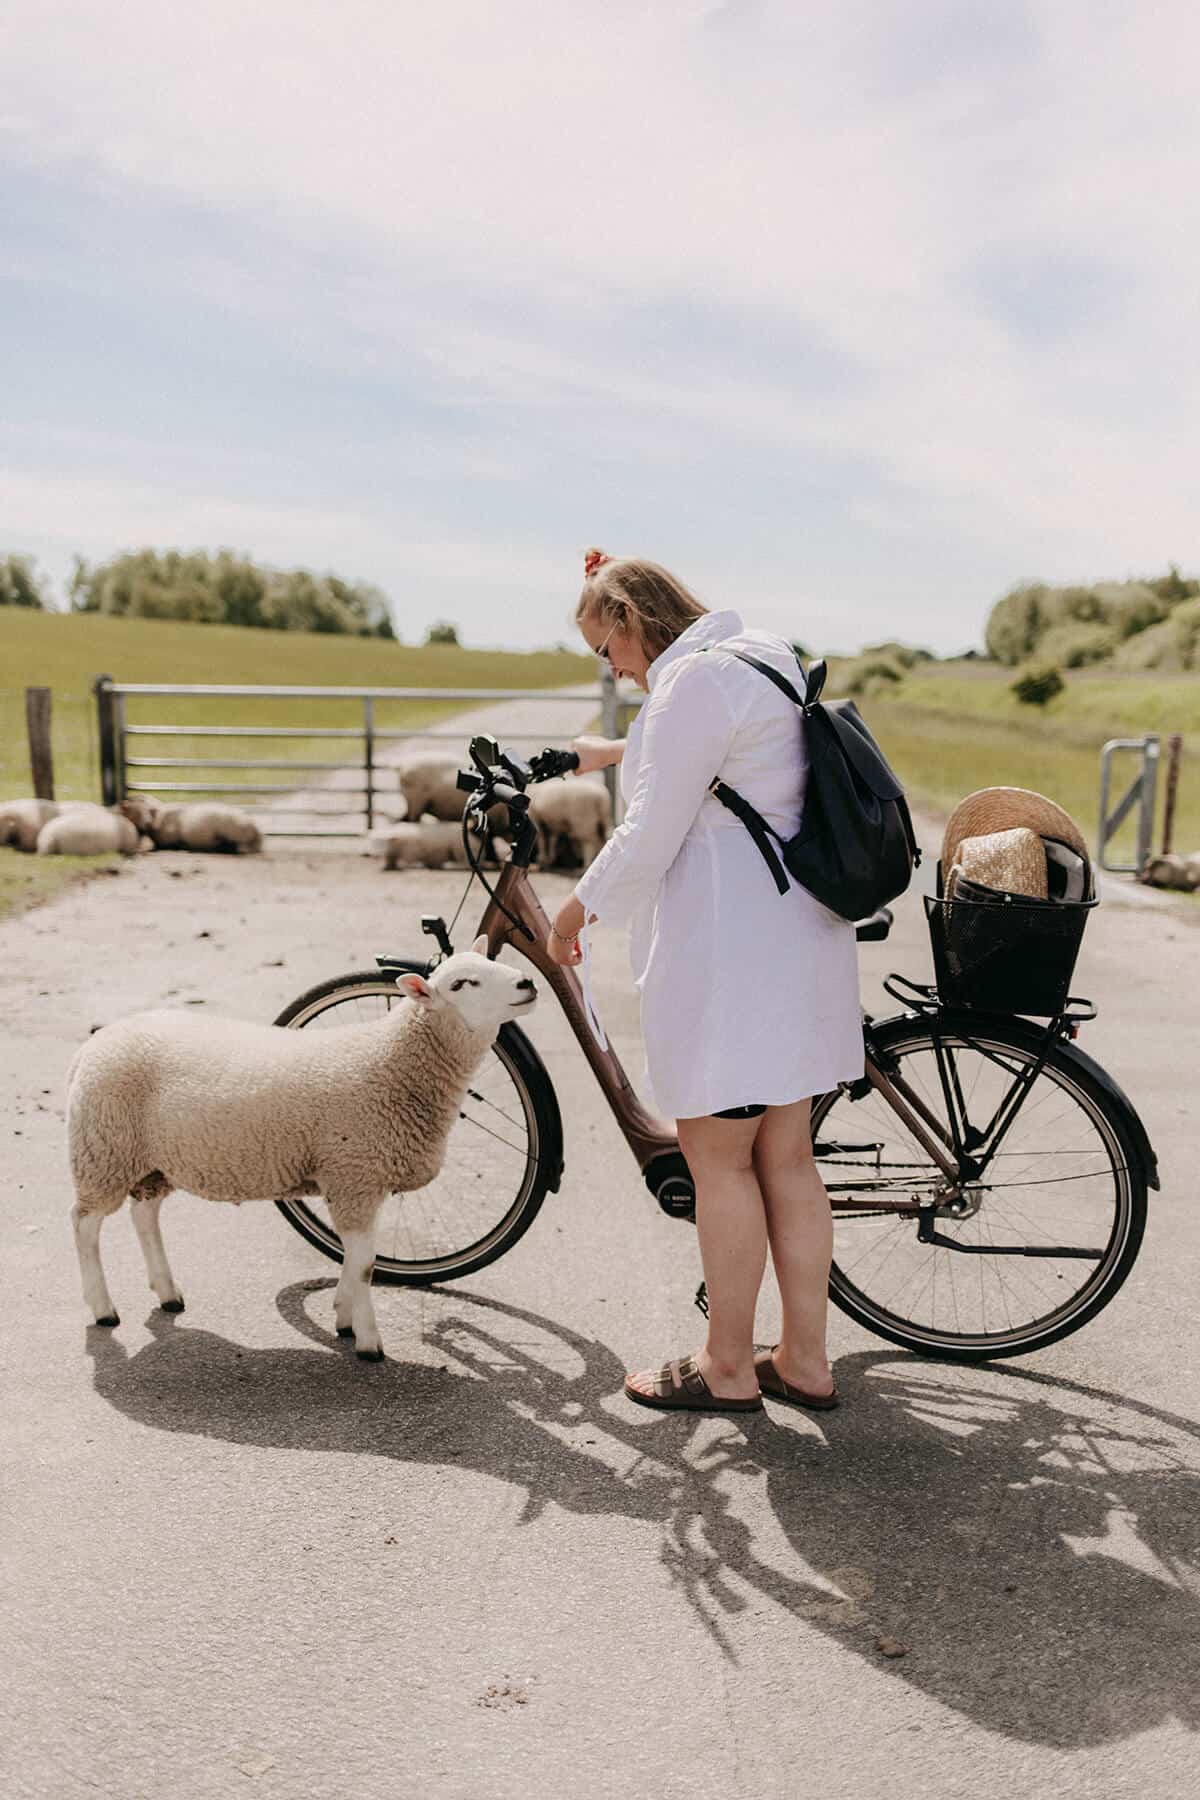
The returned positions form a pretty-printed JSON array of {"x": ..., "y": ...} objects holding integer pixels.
[
  {"x": 904, "y": 656},
  {"x": 442, "y": 633},
  {"x": 1038, "y": 684},
  {"x": 868, "y": 674},
  {"x": 1072, "y": 645},
  {"x": 1171, "y": 646},
  {"x": 20, "y": 584},
  {"x": 1016, "y": 622}
]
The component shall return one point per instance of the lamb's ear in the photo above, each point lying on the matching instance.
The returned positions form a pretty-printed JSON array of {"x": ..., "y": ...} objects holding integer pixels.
[
  {"x": 480, "y": 946},
  {"x": 416, "y": 987}
]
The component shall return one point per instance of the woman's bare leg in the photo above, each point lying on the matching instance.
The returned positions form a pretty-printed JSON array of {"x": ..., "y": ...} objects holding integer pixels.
[
  {"x": 732, "y": 1226},
  {"x": 800, "y": 1229}
]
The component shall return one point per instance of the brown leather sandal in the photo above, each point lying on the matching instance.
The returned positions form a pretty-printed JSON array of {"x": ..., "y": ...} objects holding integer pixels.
[
  {"x": 680, "y": 1387},
  {"x": 775, "y": 1387}
]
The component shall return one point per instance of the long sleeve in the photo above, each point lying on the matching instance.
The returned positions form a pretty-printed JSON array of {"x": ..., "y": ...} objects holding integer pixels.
[{"x": 686, "y": 734}]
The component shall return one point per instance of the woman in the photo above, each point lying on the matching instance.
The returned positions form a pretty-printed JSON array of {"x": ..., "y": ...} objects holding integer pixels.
[{"x": 749, "y": 998}]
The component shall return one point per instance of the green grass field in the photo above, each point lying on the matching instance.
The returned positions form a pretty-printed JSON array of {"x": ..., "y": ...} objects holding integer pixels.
[
  {"x": 950, "y": 728},
  {"x": 65, "y": 652}
]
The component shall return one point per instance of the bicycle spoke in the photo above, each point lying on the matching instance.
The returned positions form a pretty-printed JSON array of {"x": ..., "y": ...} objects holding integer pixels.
[{"x": 1057, "y": 1183}]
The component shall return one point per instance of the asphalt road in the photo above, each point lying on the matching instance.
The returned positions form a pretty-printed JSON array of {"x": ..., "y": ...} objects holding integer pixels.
[{"x": 234, "y": 1560}]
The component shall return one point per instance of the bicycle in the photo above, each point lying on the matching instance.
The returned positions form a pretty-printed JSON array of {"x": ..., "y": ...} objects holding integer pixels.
[{"x": 963, "y": 1125}]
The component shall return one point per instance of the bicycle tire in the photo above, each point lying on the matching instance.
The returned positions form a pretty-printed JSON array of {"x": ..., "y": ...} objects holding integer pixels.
[
  {"x": 906, "y": 1037},
  {"x": 540, "y": 1108}
]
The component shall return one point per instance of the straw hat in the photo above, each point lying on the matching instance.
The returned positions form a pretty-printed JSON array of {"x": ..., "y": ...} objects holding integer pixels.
[
  {"x": 1014, "y": 861},
  {"x": 1002, "y": 809}
]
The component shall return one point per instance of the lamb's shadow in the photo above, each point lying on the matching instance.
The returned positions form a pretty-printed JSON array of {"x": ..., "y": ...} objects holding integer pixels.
[{"x": 1031, "y": 1542}]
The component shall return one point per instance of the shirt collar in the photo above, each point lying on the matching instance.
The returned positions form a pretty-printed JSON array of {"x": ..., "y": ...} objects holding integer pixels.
[{"x": 709, "y": 628}]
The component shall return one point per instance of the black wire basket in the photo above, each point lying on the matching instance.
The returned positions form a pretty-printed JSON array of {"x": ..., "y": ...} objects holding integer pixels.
[{"x": 1004, "y": 953}]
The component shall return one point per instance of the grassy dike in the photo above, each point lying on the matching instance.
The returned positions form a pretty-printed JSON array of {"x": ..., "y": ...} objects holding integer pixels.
[{"x": 950, "y": 728}]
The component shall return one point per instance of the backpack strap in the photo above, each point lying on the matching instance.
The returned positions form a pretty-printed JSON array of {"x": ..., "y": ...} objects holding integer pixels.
[
  {"x": 751, "y": 818},
  {"x": 756, "y": 825}
]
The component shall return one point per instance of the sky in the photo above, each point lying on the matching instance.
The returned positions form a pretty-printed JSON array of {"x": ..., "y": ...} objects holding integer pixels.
[{"x": 853, "y": 315}]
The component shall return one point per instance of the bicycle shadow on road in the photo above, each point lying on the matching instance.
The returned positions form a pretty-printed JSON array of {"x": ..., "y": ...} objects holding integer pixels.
[{"x": 1031, "y": 1542}]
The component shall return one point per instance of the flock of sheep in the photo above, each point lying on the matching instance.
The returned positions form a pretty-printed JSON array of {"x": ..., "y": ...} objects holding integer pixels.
[
  {"x": 84, "y": 828},
  {"x": 572, "y": 815}
]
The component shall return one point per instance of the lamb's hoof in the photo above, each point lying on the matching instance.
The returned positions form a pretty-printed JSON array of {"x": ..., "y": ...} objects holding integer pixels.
[
  {"x": 172, "y": 1306},
  {"x": 345, "y": 1331},
  {"x": 370, "y": 1356},
  {"x": 110, "y": 1319}
]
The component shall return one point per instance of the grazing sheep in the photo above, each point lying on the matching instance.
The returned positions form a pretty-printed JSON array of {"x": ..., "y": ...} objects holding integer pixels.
[
  {"x": 203, "y": 825},
  {"x": 428, "y": 784},
  {"x": 573, "y": 814},
  {"x": 90, "y": 831},
  {"x": 235, "y": 1111},
  {"x": 432, "y": 843},
  {"x": 21, "y": 820}
]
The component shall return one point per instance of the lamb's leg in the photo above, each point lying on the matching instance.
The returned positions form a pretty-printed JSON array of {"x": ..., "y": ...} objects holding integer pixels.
[
  {"x": 145, "y": 1221},
  {"x": 86, "y": 1223},
  {"x": 352, "y": 1308}
]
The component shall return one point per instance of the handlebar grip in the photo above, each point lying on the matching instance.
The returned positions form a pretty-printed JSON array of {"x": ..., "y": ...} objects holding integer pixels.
[{"x": 548, "y": 763}]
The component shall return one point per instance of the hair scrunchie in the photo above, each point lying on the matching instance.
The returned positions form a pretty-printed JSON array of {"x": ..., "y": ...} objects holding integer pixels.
[{"x": 595, "y": 559}]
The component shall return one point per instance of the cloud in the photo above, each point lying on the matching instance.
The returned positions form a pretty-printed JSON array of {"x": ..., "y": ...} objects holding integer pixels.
[{"x": 927, "y": 266}]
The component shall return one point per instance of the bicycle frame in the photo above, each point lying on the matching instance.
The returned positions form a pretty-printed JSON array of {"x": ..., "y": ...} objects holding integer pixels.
[{"x": 647, "y": 1136}]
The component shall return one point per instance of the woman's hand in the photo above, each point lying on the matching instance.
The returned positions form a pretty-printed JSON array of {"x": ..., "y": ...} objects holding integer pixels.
[
  {"x": 597, "y": 752},
  {"x": 562, "y": 941}
]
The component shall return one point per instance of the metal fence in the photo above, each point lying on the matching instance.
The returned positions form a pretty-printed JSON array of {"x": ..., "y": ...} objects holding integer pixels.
[
  {"x": 1140, "y": 794},
  {"x": 131, "y": 761}
]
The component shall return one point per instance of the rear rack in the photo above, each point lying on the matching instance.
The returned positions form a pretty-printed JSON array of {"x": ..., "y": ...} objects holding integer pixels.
[{"x": 922, "y": 997}]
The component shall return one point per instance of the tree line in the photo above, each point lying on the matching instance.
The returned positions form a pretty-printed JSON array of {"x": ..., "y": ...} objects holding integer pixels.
[{"x": 220, "y": 588}]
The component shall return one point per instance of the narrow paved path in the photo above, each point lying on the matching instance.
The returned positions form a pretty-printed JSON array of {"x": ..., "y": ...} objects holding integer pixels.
[{"x": 235, "y": 1561}]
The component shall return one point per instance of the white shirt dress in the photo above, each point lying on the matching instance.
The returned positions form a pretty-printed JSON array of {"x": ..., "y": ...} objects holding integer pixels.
[{"x": 748, "y": 996}]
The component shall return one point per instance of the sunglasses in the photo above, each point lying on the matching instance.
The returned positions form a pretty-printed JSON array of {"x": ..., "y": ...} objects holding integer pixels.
[{"x": 602, "y": 649}]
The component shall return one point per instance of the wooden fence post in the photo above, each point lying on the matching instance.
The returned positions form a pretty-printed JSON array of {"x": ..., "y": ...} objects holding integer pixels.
[
  {"x": 41, "y": 759},
  {"x": 102, "y": 688},
  {"x": 1174, "y": 753}
]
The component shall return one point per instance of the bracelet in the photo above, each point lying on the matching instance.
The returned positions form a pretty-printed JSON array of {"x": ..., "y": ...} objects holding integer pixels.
[{"x": 561, "y": 938}]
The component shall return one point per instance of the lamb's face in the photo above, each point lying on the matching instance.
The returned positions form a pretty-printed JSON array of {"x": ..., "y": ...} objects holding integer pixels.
[{"x": 484, "y": 993}]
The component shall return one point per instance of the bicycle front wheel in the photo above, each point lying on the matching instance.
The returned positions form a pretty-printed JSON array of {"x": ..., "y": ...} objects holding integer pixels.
[
  {"x": 1033, "y": 1249},
  {"x": 496, "y": 1170}
]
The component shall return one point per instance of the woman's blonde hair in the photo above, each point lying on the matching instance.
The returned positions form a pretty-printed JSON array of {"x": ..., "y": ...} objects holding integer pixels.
[{"x": 638, "y": 596}]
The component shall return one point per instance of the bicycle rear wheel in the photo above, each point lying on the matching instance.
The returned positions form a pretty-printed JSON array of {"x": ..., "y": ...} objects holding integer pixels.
[
  {"x": 1036, "y": 1247},
  {"x": 498, "y": 1163}
]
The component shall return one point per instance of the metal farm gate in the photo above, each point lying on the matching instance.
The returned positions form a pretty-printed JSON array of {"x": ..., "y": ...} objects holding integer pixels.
[{"x": 342, "y": 782}]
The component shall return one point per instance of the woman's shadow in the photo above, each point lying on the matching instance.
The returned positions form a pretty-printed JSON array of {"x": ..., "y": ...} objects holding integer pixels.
[{"x": 1030, "y": 1543}]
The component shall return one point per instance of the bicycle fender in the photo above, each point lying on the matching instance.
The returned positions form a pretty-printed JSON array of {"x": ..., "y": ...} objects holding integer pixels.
[
  {"x": 966, "y": 1023},
  {"x": 522, "y": 1047},
  {"x": 1130, "y": 1116}
]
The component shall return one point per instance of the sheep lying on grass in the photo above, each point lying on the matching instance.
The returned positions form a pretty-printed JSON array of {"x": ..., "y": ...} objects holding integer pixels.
[
  {"x": 432, "y": 843},
  {"x": 1172, "y": 871},
  {"x": 235, "y": 1111},
  {"x": 90, "y": 831},
  {"x": 21, "y": 821},
  {"x": 572, "y": 814},
  {"x": 203, "y": 825}
]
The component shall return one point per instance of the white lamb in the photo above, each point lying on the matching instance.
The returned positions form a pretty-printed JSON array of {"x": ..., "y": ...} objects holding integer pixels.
[
  {"x": 432, "y": 843},
  {"x": 21, "y": 820},
  {"x": 202, "y": 825},
  {"x": 235, "y": 1111},
  {"x": 90, "y": 831},
  {"x": 572, "y": 813},
  {"x": 428, "y": 785}
]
